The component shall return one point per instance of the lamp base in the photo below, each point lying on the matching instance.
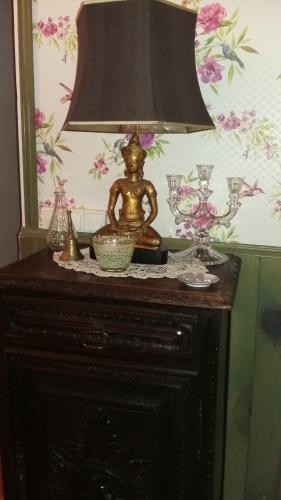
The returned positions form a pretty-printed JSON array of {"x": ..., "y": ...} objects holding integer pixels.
[
  {"x": 156, "y": 256},
  {"x": 203, "y": 252}
]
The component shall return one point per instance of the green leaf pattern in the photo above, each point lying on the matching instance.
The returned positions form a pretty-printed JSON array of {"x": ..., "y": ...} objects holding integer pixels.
[
  {"x": 257, "y": 135},
  {"x": 219, "y": 49},
  {"x": 48, "y": 146}
]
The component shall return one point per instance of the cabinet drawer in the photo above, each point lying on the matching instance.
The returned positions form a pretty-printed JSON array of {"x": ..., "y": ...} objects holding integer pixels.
[{"x": 97, "y": 326}]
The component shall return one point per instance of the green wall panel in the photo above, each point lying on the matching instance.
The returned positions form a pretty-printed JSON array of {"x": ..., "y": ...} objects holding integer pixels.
[
  {"x": 264, "y": 460},
  {"x": 241, "y": 373}
]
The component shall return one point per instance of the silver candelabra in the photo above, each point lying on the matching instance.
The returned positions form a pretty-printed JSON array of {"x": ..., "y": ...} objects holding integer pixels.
[{"x": 199, "y": 217}]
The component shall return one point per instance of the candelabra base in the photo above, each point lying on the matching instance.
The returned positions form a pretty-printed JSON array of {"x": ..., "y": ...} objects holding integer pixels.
[{"x": 203, "y": 252}]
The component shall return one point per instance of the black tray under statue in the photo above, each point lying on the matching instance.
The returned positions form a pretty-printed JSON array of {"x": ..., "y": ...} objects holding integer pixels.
[{"x": 145, "y": 255}]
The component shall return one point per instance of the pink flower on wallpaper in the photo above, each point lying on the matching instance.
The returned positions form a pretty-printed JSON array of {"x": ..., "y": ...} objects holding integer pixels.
[
  {"x": 185, "y": 191},
  {"x": 64, "y": 21},
  {"x": 51, "y": 28},
  {"x": 210, "y": 70},
  {"x": 257, "y": 134},
  {"x": 47, "y": 203},
  {"x": 231, "y": 122},
  {"x": 101, "y": 166},
  {"x": 39, "y": 118},
  {"x": 60, "y": 32},
  {"x": 40, "y": 164},
  {"x": 47, "y": 29},
  {"x": 210, "y": 17},
  {"x": 146, "y": 140},
  {"x": 63, "y": 26},
  {"x": 70, "y": 202},
  {"x": 40, "y": 25}
]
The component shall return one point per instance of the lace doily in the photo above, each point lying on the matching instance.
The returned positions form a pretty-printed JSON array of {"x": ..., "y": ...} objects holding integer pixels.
[{"x": 172, "y": 269}]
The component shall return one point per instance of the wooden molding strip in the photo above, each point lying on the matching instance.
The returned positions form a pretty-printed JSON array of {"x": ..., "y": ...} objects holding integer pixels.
[
  {"x": 32, "y": 239},
  {"x": 27, "y": 111}
]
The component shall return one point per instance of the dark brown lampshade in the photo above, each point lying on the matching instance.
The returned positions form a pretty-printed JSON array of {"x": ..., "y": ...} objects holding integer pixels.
[{"x": 136, "y": 66}]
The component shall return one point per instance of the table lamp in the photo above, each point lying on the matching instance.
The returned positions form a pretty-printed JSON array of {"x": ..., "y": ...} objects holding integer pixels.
[{"x": 135, "y": 74}]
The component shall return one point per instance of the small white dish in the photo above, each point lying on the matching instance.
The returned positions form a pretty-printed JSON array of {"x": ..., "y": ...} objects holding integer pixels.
[{"x": 201, "y": 280}]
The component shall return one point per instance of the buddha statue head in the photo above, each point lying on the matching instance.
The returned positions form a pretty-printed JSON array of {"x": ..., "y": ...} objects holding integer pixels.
[{"x": 133, "y": 154}]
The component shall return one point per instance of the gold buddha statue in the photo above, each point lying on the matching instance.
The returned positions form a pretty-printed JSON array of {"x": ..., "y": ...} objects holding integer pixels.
[{"x": 133, "y": 189}]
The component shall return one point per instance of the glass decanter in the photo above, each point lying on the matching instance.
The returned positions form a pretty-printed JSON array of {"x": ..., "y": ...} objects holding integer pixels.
[{"x": 58, "y": 227}]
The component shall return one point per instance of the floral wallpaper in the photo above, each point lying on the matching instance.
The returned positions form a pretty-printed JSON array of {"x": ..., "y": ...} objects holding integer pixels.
[{"x": 239, "y": 72}]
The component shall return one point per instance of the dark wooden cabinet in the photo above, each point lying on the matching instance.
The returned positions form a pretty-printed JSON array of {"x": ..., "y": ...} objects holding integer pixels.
[{"x": 112, "y": 389}]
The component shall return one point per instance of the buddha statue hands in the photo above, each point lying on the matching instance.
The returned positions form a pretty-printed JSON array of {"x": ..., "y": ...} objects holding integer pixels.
[{"x": 133, "y": 189}]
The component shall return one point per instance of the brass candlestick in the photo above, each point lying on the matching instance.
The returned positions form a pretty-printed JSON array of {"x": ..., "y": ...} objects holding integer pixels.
[{"x": 71, "y": 250}]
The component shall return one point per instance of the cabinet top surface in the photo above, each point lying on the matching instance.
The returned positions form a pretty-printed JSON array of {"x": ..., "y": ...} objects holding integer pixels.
[{"x": 39, "y": 274}]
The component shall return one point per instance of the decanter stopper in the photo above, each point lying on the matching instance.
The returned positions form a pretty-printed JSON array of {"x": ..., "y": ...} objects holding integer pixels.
[
  {"x": 71, "y": 249},
  {"x": 58, "y": 227}
]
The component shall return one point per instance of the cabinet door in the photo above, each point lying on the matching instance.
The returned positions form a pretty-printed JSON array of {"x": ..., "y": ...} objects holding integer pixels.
[{"x": 98, "y": 430}]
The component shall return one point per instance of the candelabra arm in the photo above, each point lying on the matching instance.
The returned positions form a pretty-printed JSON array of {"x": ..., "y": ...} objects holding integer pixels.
[
  {"x": 224, "y": 220},
  {"x": 235, "y": 184},
  {"x": 174, "y": 182},
  {"x": 179, "y": 217}
]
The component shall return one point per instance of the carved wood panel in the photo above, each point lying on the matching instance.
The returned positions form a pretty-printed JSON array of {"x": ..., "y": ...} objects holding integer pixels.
[
  {"x": 99, "y": 431},
  {"x": 98, "y": 326}
]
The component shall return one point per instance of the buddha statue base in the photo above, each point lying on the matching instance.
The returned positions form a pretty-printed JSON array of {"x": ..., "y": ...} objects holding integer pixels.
[{"x": 149, "y": 239}]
